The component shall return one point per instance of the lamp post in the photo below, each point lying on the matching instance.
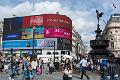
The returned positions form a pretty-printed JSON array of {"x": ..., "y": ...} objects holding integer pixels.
[
  {"x": 33, "y": 53},
  {"x": 77, "y": 50},
  {"x": 54, "y": 51}
]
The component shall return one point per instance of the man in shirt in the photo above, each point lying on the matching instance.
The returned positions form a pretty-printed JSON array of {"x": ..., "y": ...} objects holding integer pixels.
[{"x": 83, "y": 63}]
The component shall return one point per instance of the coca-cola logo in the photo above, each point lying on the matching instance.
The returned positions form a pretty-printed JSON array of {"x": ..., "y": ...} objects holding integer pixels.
[{"x": 36, "y": 20}]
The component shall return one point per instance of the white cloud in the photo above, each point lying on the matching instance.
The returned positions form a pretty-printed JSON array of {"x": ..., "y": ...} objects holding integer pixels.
[{"x": 82, "y": 20}]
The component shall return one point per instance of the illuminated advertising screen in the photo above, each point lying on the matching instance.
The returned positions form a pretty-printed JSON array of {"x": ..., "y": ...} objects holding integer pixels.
[
  {"x": 40, "y": 43},
  {"x": 12, "y": 28},
  {"x": 19, "y": 44},
  {"x": 36, "y": 20},
  {"x": 49, "y": 43},
  {"x": 27, "y": 33},
  {"x": 57, "y": 33},
  {"x": 56, "y": 20},
  {"x": 64, "y": 44},
  {"x": 26, "y": 22},
  {"x": 48, "y": 20}
]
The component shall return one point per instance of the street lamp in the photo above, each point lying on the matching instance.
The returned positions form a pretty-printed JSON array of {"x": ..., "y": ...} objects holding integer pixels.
[
  {"x": 33, "y": 41},
  {"x": 77, "y": 50},
  {"x": 54, "y": 51}
]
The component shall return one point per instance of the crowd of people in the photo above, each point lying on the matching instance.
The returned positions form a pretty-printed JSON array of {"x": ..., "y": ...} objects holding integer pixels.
[
  {"x": 29, "y": 68},
  {"x": 19, "y": 65}
]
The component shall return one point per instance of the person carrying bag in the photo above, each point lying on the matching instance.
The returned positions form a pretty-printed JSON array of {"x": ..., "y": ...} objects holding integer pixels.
[{"x": 67, "y": 71}]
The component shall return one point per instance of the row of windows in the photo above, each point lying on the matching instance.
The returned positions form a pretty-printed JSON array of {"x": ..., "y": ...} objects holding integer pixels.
[{"x": 115, "y": 32}]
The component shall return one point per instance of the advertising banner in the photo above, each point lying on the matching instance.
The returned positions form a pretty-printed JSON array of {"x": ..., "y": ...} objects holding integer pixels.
[
  {"x": 26, "y": 22},
  {"x": 48, "y": 20},
  {"x": 19, "y": 44},
  {"x": 12, "y": 28},
  {"x": 36, "y": 20},
  {"x": 56, "y": 20},
  {"x": 57, "y": 33},
  {"x": 40, "y": 43},
  {"x": 27, "y": 33},
  {"x": 49, "y": 43},
  {"x": 64, "y": 44},
  {"x": 39, "y": 32}
]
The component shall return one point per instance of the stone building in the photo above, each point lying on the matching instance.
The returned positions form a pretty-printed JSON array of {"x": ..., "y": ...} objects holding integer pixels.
[{"x": 112, "y": 33}]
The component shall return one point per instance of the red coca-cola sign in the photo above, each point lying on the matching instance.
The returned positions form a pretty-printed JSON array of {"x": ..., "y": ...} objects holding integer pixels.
[
  {"x": 36, "y": 20},
  {"x": 48, "y": 20}
]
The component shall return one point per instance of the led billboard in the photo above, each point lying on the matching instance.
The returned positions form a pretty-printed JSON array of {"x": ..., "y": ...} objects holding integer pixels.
[
  {"x": 48, "y": 20},
  {"x": 64, "y": 44},
  {"x": 12, "y": 28},
  {"x": 19, "y": 44},
  {"x": 36, "y": 20},
  {"x": 57, "y": 33},
  {"x": 27, "y": 33},
  {"x": 49, "y": 43},
  {"x": 56, "y": 20}
]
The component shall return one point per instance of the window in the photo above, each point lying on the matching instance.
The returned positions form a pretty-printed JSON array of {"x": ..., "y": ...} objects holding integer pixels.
[
  {"x": 110, "y": 32},
  {"x": 116, "y": 31},
  {"x": 117, "y": 19},
  {"x": 63, "y": 52},
  {"x": 112, "y": 45},
  {"x": 56, "y": 53},
  {"x": 48, "y": 53},
  {"x": 111, "y": 38}
]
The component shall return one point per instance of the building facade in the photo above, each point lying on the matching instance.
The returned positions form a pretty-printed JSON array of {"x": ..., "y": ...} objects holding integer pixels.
[
  {"x": 112, "y": 33},
  {"x": 1, "y": 32},
  {"x": 52, "y": 33},
  {"x": 78, "y": 46}
]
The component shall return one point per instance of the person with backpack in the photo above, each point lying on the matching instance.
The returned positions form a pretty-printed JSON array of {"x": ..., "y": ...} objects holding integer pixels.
[{"x": 103, "y": 69}]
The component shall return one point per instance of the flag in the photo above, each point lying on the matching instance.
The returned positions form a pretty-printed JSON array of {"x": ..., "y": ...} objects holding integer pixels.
[{"x": 114, "y": 5}]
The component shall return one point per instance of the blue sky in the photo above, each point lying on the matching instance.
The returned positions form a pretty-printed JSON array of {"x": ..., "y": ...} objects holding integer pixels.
[{"x": 82, "y": 12}]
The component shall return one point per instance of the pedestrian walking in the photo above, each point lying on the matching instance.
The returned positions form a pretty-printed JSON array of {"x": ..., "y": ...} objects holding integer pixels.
[
  {"x": 67, "y": 70},
  {"x": 103, "y": 69},
  {"x": 112, "y": 69},
  {"x": 42, "y": 64},
  {"x": 13, "y": 68},
  {"x": 0, "y": 64},
  {"x": 27, "y": 69},
  {"x": 51, "y": 67},
  {"x": 34, "y": 64},
  {"x": 83, "y": 63},
  {"x": 17, "y": 65},
  {"x": 5, "y": 65}
]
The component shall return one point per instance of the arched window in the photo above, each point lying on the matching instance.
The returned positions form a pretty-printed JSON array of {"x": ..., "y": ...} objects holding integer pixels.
[{"x": 112, "y": 45}]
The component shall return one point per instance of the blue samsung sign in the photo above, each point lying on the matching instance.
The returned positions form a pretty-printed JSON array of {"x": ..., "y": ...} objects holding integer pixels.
[
  {"x": 19, "y": 44},
  {"x": 12, "y": 35}
]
